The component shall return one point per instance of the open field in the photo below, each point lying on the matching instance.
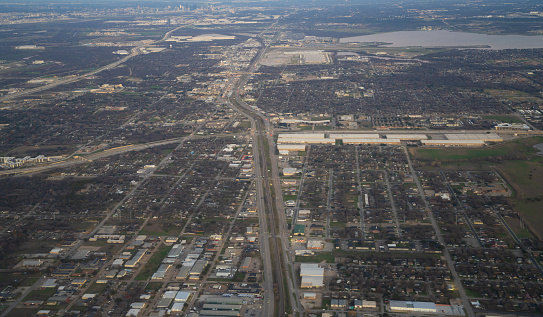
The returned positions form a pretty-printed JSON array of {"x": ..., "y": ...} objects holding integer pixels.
[
  {"x": 521, "y": 232},
  {"x": 517, "y": 148},
  {"x": 532, "y": 212},
  {"x": 524, "y": 176},
  {"x": 23, "y": 312},
  {"x": 504, "y": 118},
  {"x": 160, "y": 228},
  {"x": 154, "y": 262},
  {"x": 41, "y": 294},
  {"x": 328, "y": 257}
]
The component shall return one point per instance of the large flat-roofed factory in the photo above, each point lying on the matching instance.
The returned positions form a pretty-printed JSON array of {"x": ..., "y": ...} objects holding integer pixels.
[{"x": 296, "y": 141}]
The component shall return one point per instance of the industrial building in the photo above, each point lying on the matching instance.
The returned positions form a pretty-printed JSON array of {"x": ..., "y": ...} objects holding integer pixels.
[
  {"x": 453, "y": 142},
  {"x": 409, "y": 306},
  {"x": 346, "y": 136},
  {"x": 196, "y": 271},
  {"x": 136, "y": 258},
  {"x": 222, "y": 306},
  {"x": 372, "y": 141},
  {"x": 512, "y": 126},
  {"x": 407, "y": 136},
  {"x": 486, "y": 137},
  {"x": 285, "y": 149},
  {"x": 161, "y": 271},
  {"x": 312, "y": 275},
  {"x": 176, "y": 251}
]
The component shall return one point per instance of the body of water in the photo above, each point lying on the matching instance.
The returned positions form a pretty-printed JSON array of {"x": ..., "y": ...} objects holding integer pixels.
[{"x": 442, "y": 38}]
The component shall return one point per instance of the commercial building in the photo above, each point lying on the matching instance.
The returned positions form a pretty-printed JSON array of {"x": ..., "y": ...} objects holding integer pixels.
[
  {"x": 314, "y": 244},
  {"x": 135, "y": 259},
  {"x": 312, "y": 275},
  {"x": 372, "y": 141},
  {"x": 407, "y": 136},
  {"x": 291, "y": 147},
  {"x": 347, "y": 136},
  {"x": 512, "y": 127},
  {"x": 182, "y": 297},
  {"x": 176, "y": 251},
  {"x": 486, "y": 137},
  {"x": 196, "y": 271},
  {"x": 453, "y": 142},
  {"x": 409, "y": 306}
]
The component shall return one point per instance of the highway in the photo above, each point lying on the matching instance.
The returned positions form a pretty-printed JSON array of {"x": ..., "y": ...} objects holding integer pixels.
[
  {"x": 75, "y": 159},
  {"x": 133, "y": 52},
  {"x": 279, "y": 273}
]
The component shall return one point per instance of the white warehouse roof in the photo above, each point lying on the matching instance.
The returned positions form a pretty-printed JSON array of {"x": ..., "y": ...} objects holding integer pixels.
[
  {"x": 311, "y": 269},
  {"x": 454, "y": 142},
  {"x": 399, "y": 305},
  {"x": 291, "y": 147},
  {"x": 407, "y": 136},
  {"x": 371, "y": 141},
  {"x": 474, "y": 136},
  {"x": 302, "y": 139},
  {"x": 304, "y": 135},
  {"x": 353, "y": 136}
]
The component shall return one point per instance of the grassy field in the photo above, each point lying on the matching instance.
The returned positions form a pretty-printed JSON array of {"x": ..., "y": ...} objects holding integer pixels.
[
  {"x": 323, "y": 127},
  {"x": 23, "y": 312},
  {"x": 504, "y": 118},
  {"x": 30, "y": 281},
  {"x": 290, "y": 197},
  {"x": 474, "y": 294},
  {"x": 532, "y": 211},
  {"x": 517, "y": 147},
  {"x": 96, "y": 288},
  {"x": 524, "y": 176},
  {"x": 318, "y": 257},
  {"x": 160, "y": 228},
  {"x": 514, "y": 223},
  {"x": 154, "y": 262},
  {"x": 40, "y": 294},
  {"x": 153, "y": 286}
]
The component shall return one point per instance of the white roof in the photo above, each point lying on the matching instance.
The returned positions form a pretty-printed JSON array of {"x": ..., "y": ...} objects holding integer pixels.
[
  {"x": 409, "y": 305},
  {"x": 133, "y": 312},
  {"x": 314, "y": 243},
  {"x": 303, "y": 139},
  {"x": 291, "y": 146},
  {"x": 177, "y": 307},
  {"x": 138, "y": 305},
  {"x": 169, "y": 294},
  {"x": 312, "y": 281},
  {"x": 302, "y": 135},
  {"x": 407, "y": 136},
  {"x": 473, "y": 136},
  {"x": 453, "y": 142},
  {"x": 182, "y": 296},
  {"x": 354, "y": 136},
  {"x": 311, "y": 269},
  {"x": 290, "y": 170},
  {"x": 371, "y": 141}
]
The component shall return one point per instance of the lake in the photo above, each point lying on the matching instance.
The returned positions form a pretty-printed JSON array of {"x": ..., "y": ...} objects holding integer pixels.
[{"x": 441, "y": 38}]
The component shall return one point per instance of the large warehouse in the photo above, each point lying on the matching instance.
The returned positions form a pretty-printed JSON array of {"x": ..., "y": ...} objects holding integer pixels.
[
  {"x": 409, "y": 306},
  {"x": 453, "y": 142},
  {"x": 486, "y": 137},
  {"x": 312, "y": 275}
]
